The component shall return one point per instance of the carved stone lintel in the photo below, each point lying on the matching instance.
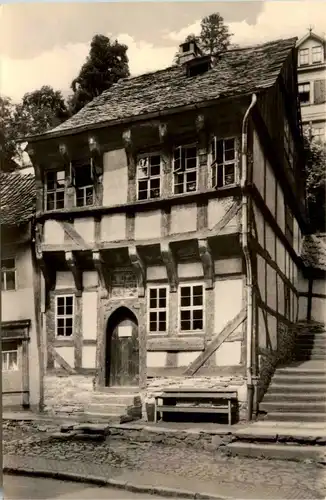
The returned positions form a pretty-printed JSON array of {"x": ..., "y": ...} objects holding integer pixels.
[
  {"x": 94, "y": 146},
  {"x": 163, "y": 131},
  {"x": 103, "y": 275},
  {"x": 139, "y": 269},
  {"x": 76, "y": 272},
  {"x": 207, "y": 262},
  {"x": 200, "y": 123},
  {"x": 171, "y": 266},
  {"x": 127, "y": 139},
  {"x": 64, "y": 152}
]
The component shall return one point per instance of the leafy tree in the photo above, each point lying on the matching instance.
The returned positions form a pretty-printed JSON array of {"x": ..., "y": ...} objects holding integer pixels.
[
  {"x": 7, "y": 136},
  {"x": 214, "y": 34},
  {"x": 106, "y": 63},
  {"x": 315, "y": 182}
]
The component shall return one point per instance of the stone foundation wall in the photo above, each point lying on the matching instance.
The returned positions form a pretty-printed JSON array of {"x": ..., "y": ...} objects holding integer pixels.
[{"x": 67, "y": 394}]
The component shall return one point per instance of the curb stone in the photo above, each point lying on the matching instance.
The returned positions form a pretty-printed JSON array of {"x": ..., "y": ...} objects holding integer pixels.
[{"x": 163, "y": 491}]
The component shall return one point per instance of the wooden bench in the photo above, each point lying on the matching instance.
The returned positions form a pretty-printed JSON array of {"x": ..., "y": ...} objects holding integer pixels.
[{"x": 196, "y": 401}]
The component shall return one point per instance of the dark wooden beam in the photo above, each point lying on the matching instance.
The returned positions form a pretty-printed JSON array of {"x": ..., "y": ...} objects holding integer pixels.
[
  {"x": 227, "y": 217},
  {"x": 176, "y": 344},
  {"x": 139, "y": 268},
  {"x": 170, "y": 264},
  {"x": 215, "y": 343},
  {"x": 76, "y": 272},
  {"x": 207, "y": 262},
  {"x": 310, "y": 287},
  {"x": 102, "y": 272},
  {"x": 49, "y": 272},
  {"x": 59, "y": 359}
]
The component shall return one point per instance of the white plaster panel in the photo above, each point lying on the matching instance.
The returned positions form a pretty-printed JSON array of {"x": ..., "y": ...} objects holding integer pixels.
[
  {"x": 280, "y": 255},
  {"x": 148, "y": 225},
  {"x": 89, "y": 315},
  {"x": 270, "y": 188},
  {"x": 113, "y": 227},
  {"x": 258, "y": 168},
  {"x": 68, "y": 354},
  {"x": 216, "y": 209},
  {"x": 228, "y": 354},
  {"x": 261, "y": 272},
  {"x": 270, "y": 241},
  {"x": 64, "y": 279},
  {"x": 89, "y": 356},
  {"x": 272, "y": 330},
  {"x": 280, "y": 295},
  {"x": 318, "y": 310},
  {"x": 190, "y": 270},
  {"x": 156, "y": 359},
  {"x": 90, "y": 278},
  {"x": 295, "y": 236},
  {"x": 228, "y": 266},
  {"x": 303, "y": 285},
  {"x": 185, "y": 358},
  {"x": 262, "y": 337},
  {"x": 156, "y": 273},
  {"x": 228, "y": 302},
  {"x": 115, "y": 178},
  {"x": 86, "y": 228},
  {"x": 319, "y": 286},
  {"x": 53, "y": 233},
  {"x": 259, "y": 225},
  {"x": 271, "y": 288},
  {"x": 303, "y": 308},
  {"x": 280, "y": 213},
  {"x": 183, "y": 218}
]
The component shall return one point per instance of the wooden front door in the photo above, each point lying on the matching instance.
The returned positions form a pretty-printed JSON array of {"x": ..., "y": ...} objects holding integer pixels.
[{"x": 122, "y": 349}]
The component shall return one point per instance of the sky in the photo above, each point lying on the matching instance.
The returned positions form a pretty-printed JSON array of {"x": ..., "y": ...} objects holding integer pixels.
[{"x": 47, "y": 43}]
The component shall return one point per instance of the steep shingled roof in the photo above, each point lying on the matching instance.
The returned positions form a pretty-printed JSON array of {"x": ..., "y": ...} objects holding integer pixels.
[
  {"x": 17, "y": 198},
  {"x": 237, "y": 72},
  {"x": 314, "y": 251}
]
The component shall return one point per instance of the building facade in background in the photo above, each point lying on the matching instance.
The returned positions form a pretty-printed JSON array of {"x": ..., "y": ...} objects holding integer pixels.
[{"x": 312, "y": 84}]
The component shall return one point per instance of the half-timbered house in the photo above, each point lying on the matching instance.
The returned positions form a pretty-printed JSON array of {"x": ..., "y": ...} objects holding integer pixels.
[{"x": 169, "y": 215}]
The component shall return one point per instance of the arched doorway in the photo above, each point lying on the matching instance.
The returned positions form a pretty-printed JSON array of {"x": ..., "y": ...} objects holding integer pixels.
[{"x": 122, "y": 349}]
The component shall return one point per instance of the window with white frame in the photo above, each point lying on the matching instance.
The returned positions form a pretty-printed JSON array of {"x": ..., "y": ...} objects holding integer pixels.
[
  {"x": 8, "y": 274},
  {"x": 148, "y": 176},
  {"x": 318, "y": 133},
  {"x": 64, "y": 315},
  {"x": 303, "y": 57},
  {"x": 304, "y": 93},
  {"x": 9, "y": 360},
  {"x": 224, "y": 162},
  {"x": 191, "y": 307},
  {"x": 288, "y": 143},
  {"x": 83, "y": 180},
  {"x": 317, "y": 54},
  {"x": 158, "y": 309},
  {"x": 55, "y": 189},
  {"x": 185, "y": 168}
]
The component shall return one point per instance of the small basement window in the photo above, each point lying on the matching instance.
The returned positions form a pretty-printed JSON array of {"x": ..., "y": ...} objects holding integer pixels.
[{"x": 55, "y": 189}]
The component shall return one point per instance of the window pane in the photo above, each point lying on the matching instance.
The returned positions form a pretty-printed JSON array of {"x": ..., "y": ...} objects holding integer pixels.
[
  {"x": 185, "y": 291},
  {"x": 60, "y": 178},
  {"x": 12, "y": 360},
  {"x": 69, "y": 309},
  {"x": 8, "y": 263},
  {"x": 197, "y": 314},
  {"x": 50, "y": 201},
  {"x": 219, "y": 152},
  {"x": 152, "y": 293},
  {"x": 198, "y": 290},
  {"x": 198, "y": 324},
  {"x": 178, "y": 183},
  {"x": 191, "y": 181},
  {"x": 162, "y": 293},
  {"x": 60, "y": 322},
  {"x": 162, "y": 315},
  {"x": 229, "y": 171},
  {"x": 10, "y": 280},
  {"x": 229, "y": 149},
  {"x": 60, "y": 301},
  {"x": 162, "y": 326},
  {"x": 185, "y": 315},
  {"x": 152, "y": 303},
  {"x": 68, "y": 331},
  {"x": 60, "y": 331},
  {"x": 155, "y": 188},
  {"x": 185, "y": 325},
  {"x": 60, "y": 199},
  {"x": 152, "y": 316},
  {"x": 68, "y": 322},
  {"x": 191, "y": 152},
  {"x": 69, "y": 300},
  {"x": 142, "y": 190},
  {"x": 162, "y": 303}
]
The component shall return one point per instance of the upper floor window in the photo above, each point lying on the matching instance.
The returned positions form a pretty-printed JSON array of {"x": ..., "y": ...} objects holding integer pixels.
[
  {"x": 185, "y": 168},
  {"x": 288, "y": 143},
  {"x": 157, "y": 309},
  {"x": 149, "y": 176},
  {"x": 224, "y": 162},
  {"x": 83, "y": 178},
  {"x": 64, "y": 313},
  {"x": 304, "y": 93},
  {"x": 8, "y": 274},
  {"x": 55, "y": 189},
  {"x": 303, "y": 57},
  {"x": 317, "y": 54},
  {"x": 10, "y": 360},
  {"x": 191, "y": 307},
  {"x": 318, "y": 133}
]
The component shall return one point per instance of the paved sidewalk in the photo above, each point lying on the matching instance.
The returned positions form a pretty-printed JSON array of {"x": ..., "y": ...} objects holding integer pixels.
[{"x": 158, "y": 483}]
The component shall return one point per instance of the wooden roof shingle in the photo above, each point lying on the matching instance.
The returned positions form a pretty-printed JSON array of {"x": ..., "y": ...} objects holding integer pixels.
[{"x": 17, "y": 198}]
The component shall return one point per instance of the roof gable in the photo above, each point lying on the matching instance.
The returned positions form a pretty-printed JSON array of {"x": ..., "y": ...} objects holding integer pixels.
[
  {"x": 237, "y": 72},
  {"x": 313, "y": 36}
]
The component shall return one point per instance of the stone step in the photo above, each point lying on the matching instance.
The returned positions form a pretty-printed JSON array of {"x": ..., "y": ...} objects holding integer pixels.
[
  {"x": 281, "y": 433},
  {"x": 315, "y": 341},
  {"x": 77, "y": 436},
  {"x": 277, "y": 451},
  {"x": 107, "y": 417},
  {"x": 304, "y": 367},
  {"x": 122, "y": 390},
  {"x": 317, "y": 348},
  {"x": 293, "y": 406},
  {"x": 299, "y": 379},
  {"x": 302, "y": 397},
  {"x": 276, "y": 388},
  {"x": 116, "y": 399},
  {"x": 306, "y": 356},
  {"x": 107, "y": 408},
  {"x": 296, "y": 416}
]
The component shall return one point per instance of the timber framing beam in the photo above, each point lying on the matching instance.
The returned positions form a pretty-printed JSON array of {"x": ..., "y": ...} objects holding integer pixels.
[
  {"x": 76, "y": 272},
  {"x": 102, "y": 272},
  {"x": 49, "y": 272},
  {"x": 215, "y": 343},
  {"x": 139, "y": 269},
  {"x": 170, "y": 264},
  {"x": 207, "y": 262}
]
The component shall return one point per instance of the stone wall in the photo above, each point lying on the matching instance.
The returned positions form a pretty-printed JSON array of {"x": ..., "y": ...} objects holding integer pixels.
[{"x": 67, "y": 394}]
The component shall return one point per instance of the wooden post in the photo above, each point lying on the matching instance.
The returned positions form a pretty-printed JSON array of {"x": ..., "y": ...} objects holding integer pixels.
[{"x": 25, "y": 373}]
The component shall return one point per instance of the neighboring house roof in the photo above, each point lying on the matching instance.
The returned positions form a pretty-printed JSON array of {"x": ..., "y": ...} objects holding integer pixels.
[
  {"x": 310, "y": 35},
  {"x": 314, "y": 251},
  {"x": 237, "y": 72},
  {"x": 17, "y": 198}
]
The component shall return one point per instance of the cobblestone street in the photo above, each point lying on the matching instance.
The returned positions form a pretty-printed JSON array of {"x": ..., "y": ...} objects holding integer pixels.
[{"x": 263, "y": 478}]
